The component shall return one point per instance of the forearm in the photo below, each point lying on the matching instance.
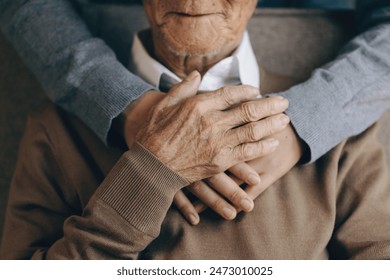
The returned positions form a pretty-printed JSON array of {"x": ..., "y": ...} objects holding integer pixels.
[
  {"x": 344, "y": 97},
  {"x": 124, "y": 215},
  {"x": 79, "y": 72}
]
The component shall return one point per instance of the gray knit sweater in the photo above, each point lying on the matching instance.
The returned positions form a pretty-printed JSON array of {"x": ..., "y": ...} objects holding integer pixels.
[{"x": 82, "y": 74}]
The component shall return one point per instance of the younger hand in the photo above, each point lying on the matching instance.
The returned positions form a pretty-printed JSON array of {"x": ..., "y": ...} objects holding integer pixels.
[
  {"x": 221, "y": 193},
  {"x": 137, "y": 113},
  {"x": 225, "y": 191}
]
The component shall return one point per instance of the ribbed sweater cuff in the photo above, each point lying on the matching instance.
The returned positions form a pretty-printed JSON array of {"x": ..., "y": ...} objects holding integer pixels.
[
  {"x": 105, "y": 94},
  {"x": 140, "y": 188}
]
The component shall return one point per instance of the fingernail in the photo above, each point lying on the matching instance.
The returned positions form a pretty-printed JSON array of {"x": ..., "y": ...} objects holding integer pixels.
[
  {"x": 246, "y": 204},
  {"x": 192, "y": 75},
  {"x": 284, "y": 120},
  {"x": 228, "y": 213},
  {"x": 193, "y": 219},
  {"x": 253, "y": 180}
]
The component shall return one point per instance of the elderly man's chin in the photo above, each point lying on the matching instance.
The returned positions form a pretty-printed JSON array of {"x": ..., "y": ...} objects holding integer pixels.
[{"x": 204, "y": 35}]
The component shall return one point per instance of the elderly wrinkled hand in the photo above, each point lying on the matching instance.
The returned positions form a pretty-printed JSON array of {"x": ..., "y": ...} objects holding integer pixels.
[
  {"x": 199, "y": 136},
  {"x": 268, "y": 110}
]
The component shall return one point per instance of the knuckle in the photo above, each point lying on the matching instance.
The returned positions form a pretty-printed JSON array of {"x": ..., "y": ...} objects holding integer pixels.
[
  {"x": 185, "y": 208},
  {"x": 240, "y": 135},
  {"x": 265, "y": 107},
  {"x": 204, "y": 125},
  {"x": 261, "y": 148},
  {"x": 228, "y": 95},
  {"x": 234, "y": 196},
  {"x": 270, "y": 126},
  {"x": 218, "y": 162},
  {"x": 240, "y": 173},
  {"x": 239, "y": 153},
  {"x": 250, "y": 112},
  {"x": 247, "y": 150},
  {"x": 271, "y": 106},
  {"x": 217, "y": 204},
  {"x": 213, "y": 180},
  {"x": 196, "y": 188},
  {"x": 252, "y": 132}
]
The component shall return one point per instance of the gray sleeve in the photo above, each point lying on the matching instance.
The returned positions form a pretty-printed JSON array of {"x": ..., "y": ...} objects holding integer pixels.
[
  {"x": 346, "y": 96},
  {"x": 78, "y": 71}
]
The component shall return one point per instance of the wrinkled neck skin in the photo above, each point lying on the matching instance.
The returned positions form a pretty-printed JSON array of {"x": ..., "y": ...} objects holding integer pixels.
[
  {"x": 190, "y": 35},
  {"x": 182, "y": 64}
]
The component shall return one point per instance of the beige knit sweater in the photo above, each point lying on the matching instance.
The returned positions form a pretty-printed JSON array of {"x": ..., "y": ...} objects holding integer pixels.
[{"x": 74, "y": 198}]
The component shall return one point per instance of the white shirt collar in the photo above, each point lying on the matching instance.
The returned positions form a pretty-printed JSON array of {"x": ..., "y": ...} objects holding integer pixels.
[{"x": 240, "y": 67}]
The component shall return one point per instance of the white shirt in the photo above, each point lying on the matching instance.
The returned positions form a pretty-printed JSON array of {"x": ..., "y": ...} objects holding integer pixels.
[{"x": 239, "y": 68}]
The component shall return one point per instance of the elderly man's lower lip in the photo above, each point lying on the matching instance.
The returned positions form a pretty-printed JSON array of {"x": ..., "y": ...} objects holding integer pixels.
[{"x": 194, "y": 15}]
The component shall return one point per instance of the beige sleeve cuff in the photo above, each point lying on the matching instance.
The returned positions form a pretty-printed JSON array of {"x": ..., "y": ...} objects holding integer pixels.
[{"x": 140, "y": 188}]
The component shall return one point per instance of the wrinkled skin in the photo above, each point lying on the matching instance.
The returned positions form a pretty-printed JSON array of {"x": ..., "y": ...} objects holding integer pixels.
[
  {"x": 195, "y": 34},
  {"x": 199, "y": 136},
  {"x": 209, "y": 31}
]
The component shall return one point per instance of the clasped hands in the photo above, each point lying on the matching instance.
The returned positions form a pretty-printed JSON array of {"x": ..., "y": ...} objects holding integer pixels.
[{"x": 274, "y": 143}]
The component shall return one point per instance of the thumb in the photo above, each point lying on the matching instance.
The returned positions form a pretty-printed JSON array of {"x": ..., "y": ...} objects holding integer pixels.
[{"x": 187, "y": 88}]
